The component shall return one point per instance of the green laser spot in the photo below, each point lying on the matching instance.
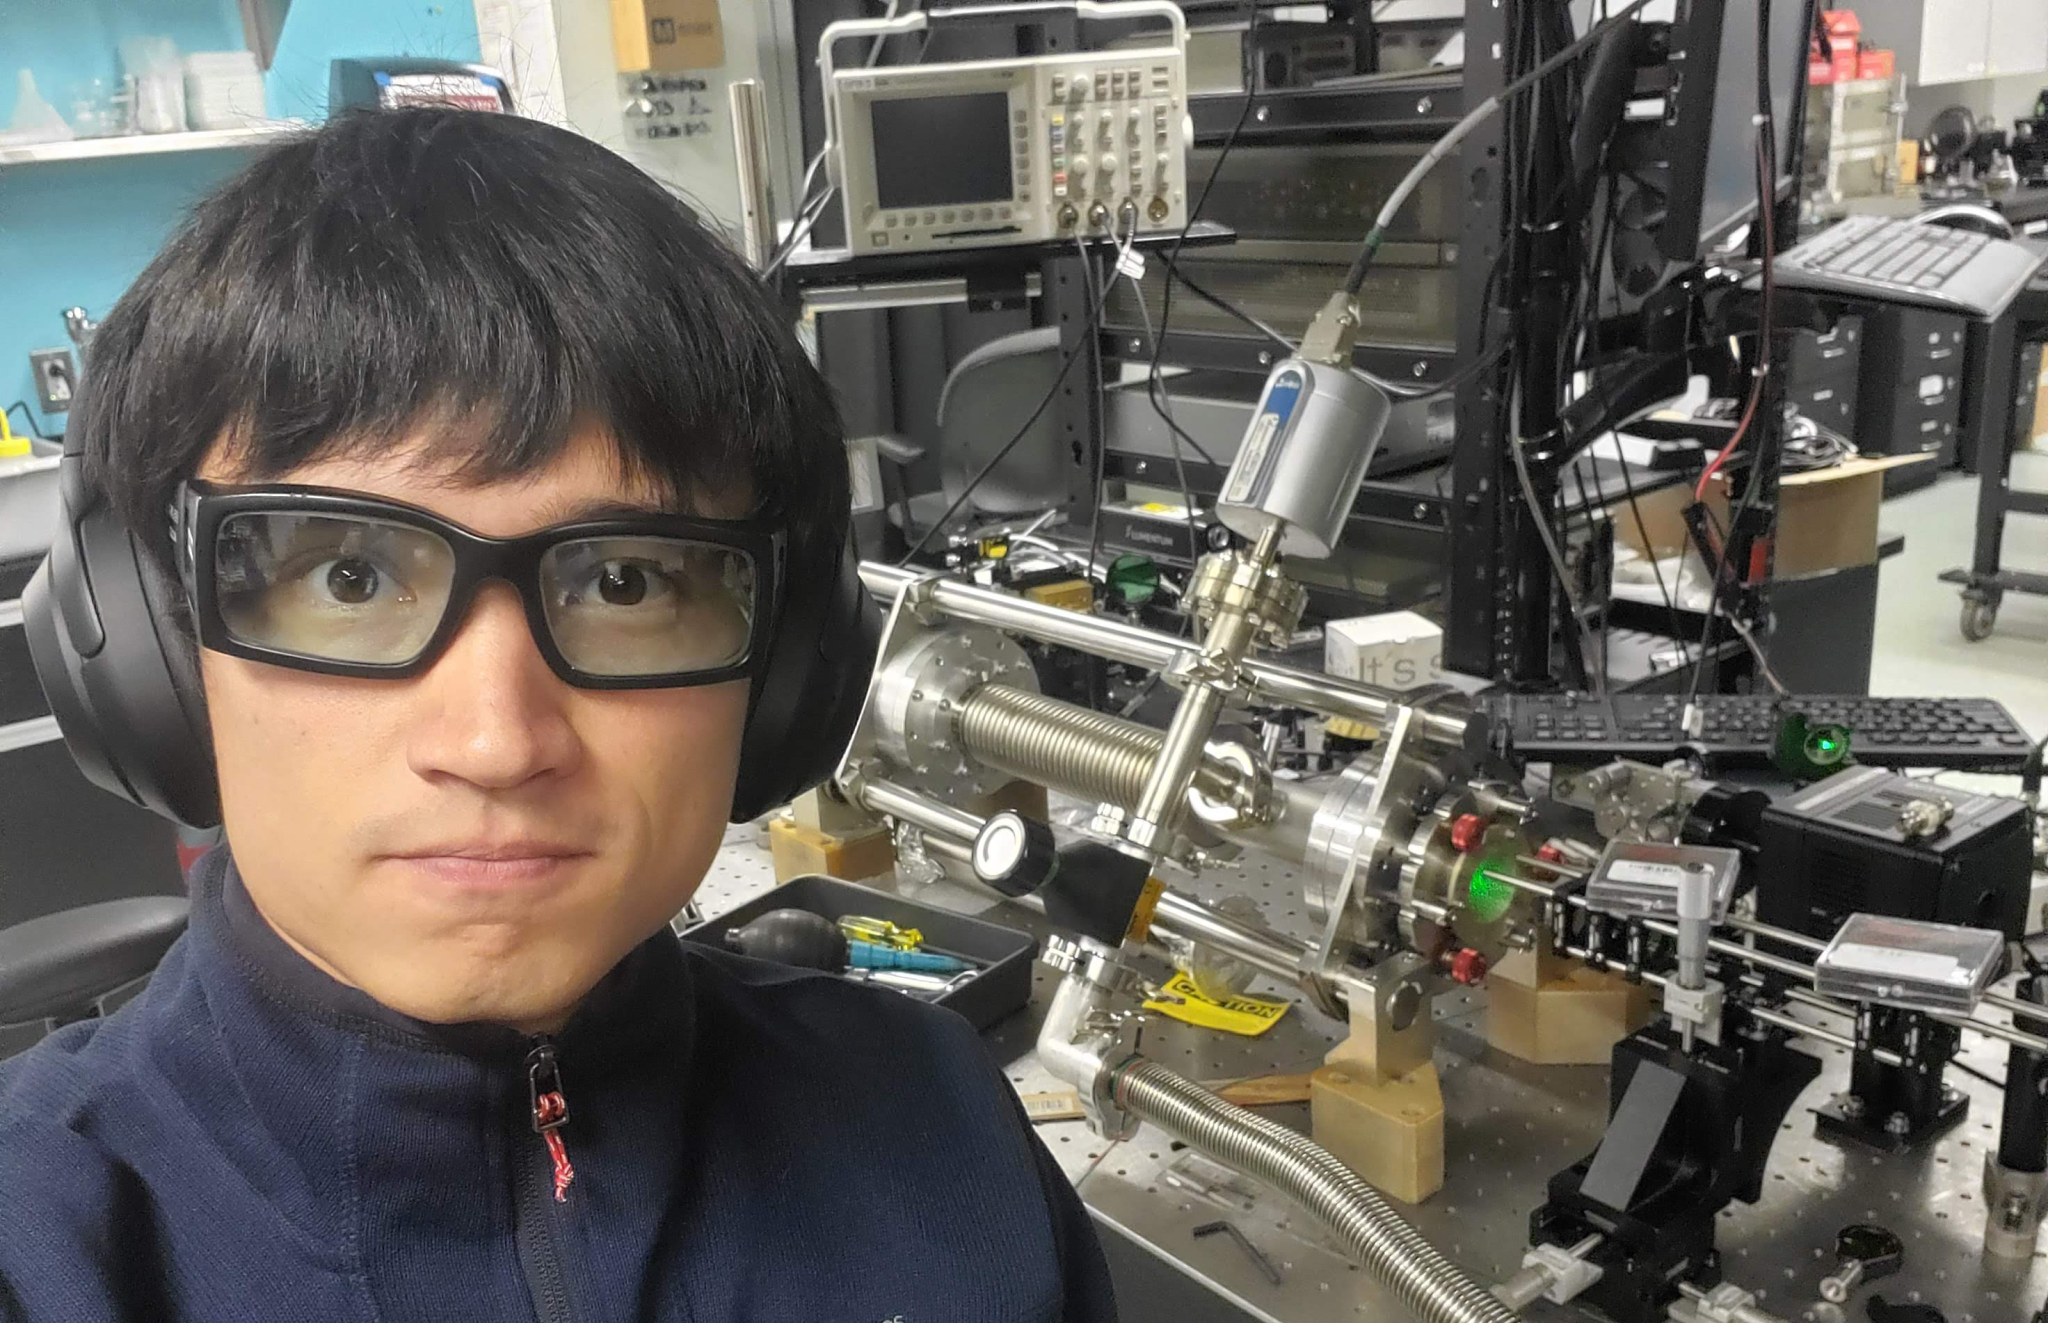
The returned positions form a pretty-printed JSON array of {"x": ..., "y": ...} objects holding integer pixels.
[{"x": 1487, "y": 897}]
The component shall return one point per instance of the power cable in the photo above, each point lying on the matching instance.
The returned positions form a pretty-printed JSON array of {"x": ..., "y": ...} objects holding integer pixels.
[
  {"x": 27, "y": 417},
  {"x": 1153, "y": 381},
  {"x": 807, "y": 210},
  {"x": 1767, "y": 172},
  {"x": 1093, "y": 298}
]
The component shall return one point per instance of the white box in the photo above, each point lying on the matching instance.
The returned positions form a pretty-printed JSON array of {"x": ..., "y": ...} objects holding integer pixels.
[{"x": 1396, "y": 650}]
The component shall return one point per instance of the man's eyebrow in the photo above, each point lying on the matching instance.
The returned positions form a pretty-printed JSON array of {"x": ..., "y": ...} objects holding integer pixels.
[{"x": 577, "y": 511}]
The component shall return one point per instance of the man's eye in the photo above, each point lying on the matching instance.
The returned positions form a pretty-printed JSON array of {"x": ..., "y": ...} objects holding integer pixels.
[
  {"x": 628, "y": 583},
  {"x": 351, "y": 581}
]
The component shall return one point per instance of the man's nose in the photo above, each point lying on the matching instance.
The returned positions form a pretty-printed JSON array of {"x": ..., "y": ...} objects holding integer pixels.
[{"x": 494, "y": 715}]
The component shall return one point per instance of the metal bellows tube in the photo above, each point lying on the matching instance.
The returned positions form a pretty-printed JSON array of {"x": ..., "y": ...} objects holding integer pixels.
[
  {"x": 1392, "y": 1251},
  {"x": 1070, "y": 748}
]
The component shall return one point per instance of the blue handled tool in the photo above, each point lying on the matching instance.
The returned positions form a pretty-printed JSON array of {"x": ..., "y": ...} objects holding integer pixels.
[{"x": 873, "y": 955}]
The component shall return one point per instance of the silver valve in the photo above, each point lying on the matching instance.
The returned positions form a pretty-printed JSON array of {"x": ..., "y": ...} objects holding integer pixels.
[{"x": 1014, "y": 854}]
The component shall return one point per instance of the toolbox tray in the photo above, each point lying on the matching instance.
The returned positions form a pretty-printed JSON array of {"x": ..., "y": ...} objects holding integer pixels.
[{"x": 1000, "y": 987}]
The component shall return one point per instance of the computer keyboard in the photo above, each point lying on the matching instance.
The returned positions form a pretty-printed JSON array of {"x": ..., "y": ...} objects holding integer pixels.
[
  {"x": 1896, "y": 261},
  {"x": 1740, "y": 730}
]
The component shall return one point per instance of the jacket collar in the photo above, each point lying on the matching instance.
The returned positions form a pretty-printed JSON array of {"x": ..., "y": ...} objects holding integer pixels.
[
  {"x": 644, "y": 997},
  {"x": 343, "y": 1115}
]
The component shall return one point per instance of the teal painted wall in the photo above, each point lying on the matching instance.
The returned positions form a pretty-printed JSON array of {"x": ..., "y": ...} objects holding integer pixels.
[{"x": 78, "y": 232}]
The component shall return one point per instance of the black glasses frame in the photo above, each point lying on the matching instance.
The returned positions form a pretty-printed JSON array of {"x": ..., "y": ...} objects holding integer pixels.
[{"x": 202, "y": 507}]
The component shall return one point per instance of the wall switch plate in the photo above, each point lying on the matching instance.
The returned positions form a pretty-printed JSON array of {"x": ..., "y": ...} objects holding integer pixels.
[{"x": 56, "y": 374}]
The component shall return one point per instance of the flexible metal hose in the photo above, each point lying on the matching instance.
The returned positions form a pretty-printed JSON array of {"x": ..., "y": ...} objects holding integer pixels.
[
  {"x": 1433, "y": 1288},
  {"x": 1070, "y": 748}
]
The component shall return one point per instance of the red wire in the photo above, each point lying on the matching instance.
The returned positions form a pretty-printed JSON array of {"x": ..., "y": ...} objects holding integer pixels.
[{"x": 1756, "y": 385}]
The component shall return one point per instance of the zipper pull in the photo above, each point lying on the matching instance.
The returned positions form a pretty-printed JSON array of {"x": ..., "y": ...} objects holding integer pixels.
[{"x": 550, "y": 1110}]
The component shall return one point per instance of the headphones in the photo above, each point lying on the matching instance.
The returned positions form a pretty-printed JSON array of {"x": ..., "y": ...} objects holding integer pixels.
[{"x": 122, "y": 677}]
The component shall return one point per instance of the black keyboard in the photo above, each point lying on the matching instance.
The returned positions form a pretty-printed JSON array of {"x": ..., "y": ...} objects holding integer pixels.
[{"x": 1741, "y": 730}]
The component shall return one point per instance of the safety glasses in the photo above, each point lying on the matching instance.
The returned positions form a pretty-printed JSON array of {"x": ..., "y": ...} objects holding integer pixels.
[{"x": 343, "y": 584}]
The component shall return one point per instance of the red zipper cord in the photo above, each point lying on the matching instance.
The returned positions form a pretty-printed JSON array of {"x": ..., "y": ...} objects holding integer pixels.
[{"x": 549, "y": 1111}]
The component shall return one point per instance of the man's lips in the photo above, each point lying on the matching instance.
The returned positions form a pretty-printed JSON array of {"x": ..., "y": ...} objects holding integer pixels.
[{"x": 491, "y": 864}]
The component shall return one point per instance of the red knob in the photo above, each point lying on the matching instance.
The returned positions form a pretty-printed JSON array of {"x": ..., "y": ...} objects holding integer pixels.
[
  {"x": 1468, "y": 967},
  {"x": 1466, "y": 831},
  {"x": 1550, "y": 854}
]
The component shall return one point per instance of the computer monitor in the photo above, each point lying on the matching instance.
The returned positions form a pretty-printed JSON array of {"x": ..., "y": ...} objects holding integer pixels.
[{"x": 1710, "y": 108}]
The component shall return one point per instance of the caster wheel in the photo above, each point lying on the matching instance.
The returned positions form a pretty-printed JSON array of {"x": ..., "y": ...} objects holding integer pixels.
[{"x": 1978, "y": 618}]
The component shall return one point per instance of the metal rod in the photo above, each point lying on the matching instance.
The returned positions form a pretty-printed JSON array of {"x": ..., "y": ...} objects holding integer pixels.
[
  {"x": 1581, "y": 953},
  {"x": 1546, "y": 890},
  {"x": 927, "y": 815},
  {"x": 1776, "y": 934},
  {"x": 950, "y": 832},
  {"x": 1770, "y": 1017},
  {"x": 1164, "y": 797},
  {"x": 1815, "y": 1032},
  {"x": 947, "y": 848},
  {"x": 1269, "y": 952},
  {"x": 1565, "y": 869},
  {"x": 2011, "y": 1005},
  {"x": 1143, "y": 647},
  {"x": 750, "y": 156},
  {"x": 1794, "y": 969}
]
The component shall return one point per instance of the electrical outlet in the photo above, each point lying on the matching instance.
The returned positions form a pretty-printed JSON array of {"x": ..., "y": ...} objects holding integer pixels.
[{"x": 56, "y": 374}]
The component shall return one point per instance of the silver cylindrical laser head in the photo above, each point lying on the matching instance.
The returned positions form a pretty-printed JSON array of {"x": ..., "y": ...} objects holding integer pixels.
[{"x": 1304, "y": 454}]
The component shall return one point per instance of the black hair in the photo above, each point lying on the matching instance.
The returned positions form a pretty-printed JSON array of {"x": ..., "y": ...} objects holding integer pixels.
[{"x": 491, "y": 274}]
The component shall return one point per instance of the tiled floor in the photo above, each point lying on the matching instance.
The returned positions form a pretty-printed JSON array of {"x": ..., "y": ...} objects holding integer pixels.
[{"x": 1919, "y": 647}]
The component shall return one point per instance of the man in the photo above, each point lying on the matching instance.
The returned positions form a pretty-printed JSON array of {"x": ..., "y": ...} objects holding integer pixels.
[{"x": 485, "y": 475}]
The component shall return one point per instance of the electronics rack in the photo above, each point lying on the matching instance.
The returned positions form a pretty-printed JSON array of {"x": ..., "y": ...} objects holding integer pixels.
[
  {"x": 1499, "y": 593},
  {"x": 1499, "y": 610}
]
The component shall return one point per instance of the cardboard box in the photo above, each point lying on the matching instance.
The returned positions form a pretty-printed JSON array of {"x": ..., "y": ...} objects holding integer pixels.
[
  {"x": 1827, "y": 519},
  {"x": 667, "y": 36},
  {"x": 1397, "y": 649},
  {"x": 1874, "y": 64},
  {"x": 2038, "y": 439}
]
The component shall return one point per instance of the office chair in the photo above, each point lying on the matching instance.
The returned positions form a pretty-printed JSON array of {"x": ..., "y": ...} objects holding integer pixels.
[
  {"x": 73, "y": 964},
  {"x": 987, "y": 396}
]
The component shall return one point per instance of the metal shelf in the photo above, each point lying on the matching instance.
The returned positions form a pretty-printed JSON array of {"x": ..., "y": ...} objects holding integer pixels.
[{"x": 148, "y": 144}]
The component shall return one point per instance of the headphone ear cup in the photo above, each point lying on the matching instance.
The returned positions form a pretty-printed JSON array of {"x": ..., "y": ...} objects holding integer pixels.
[
  {"x": 124, "y": 684},
  {"x": 810, "y": 692}
]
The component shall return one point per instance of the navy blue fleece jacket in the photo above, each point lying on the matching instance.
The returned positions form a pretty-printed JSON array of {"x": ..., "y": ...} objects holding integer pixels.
[{"x": 252, "y": 1140}]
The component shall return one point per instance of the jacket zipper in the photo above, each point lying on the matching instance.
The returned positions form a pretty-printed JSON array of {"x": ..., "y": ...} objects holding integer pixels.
[{"x": 539, "y": 1254}]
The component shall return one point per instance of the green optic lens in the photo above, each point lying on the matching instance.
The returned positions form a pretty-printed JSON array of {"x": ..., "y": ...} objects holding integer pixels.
[{"x": 1825, "y": 745}]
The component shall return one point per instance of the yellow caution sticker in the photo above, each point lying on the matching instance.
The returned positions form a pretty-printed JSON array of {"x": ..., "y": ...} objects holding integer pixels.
[{"x": 1249, "y": 1016}]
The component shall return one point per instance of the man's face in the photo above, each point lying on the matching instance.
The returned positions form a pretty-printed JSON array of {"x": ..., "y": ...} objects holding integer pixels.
[{"x": 482, "y": 841}]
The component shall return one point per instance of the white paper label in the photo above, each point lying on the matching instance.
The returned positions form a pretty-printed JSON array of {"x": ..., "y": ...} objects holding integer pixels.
[
  {"x": 1646, "y": 873},
  {"x": 1924, "y": 966}
]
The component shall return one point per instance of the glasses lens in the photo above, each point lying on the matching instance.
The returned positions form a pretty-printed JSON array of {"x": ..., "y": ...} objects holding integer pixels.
[
  {"x": 625, "y": 606},
  {"x": 339, "y": 588}
]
